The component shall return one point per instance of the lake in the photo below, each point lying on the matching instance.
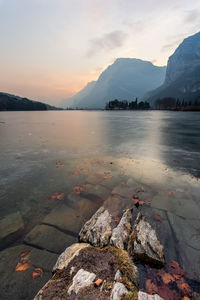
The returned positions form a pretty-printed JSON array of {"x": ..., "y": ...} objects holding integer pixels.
[{"x": 58, "y": 167}]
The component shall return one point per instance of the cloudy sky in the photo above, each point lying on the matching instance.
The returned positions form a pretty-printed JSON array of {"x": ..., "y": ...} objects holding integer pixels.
[{"x": 50, "y": 49}]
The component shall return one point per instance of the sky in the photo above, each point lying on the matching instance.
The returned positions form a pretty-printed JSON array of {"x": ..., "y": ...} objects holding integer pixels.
[{"x": 50, "y": 49}]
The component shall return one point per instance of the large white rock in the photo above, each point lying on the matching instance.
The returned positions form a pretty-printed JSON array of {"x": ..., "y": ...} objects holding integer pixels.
[
  {"x": 145, "y": 296},
  {"x": 67, "y": 256},
  {"x": 97, "y": 231},
  {"x": 118, "y": 291},
  {"x": 144, "y": 244},
  {"x": 81, "y": 279},
  {"x": 120, "y": 234}
]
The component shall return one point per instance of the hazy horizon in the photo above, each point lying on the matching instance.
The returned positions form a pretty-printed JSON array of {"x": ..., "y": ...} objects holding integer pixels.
[{"x": 51, "y": 49}]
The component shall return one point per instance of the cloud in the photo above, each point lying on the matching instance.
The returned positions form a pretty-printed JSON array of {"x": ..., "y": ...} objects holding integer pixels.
[
  {"x": 192, "y": 16},
  {"x": 108, "y": 41},
  {"x": 136, "y": 27}
]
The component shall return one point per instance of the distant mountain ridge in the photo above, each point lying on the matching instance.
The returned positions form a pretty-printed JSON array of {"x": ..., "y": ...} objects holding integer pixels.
[
  {"x": 10, "y": 102},
  {"x": 183, "y": 73},
  {"x": 126, "y": 78}
]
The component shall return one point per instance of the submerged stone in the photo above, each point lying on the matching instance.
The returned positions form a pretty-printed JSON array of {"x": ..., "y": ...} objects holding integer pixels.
[
  {"x": 21, "y": 284},
  {"x": 11, "y": 227},
  {"x": 49, "y": 238}
]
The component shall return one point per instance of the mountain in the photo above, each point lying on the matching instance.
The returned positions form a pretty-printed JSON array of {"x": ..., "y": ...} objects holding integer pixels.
[
  {"x": 71, "y": 101},
  {"x": 126, "y": 78},
  {"x": 12, "y": 102},
  {"x": 182, "y": 78}
]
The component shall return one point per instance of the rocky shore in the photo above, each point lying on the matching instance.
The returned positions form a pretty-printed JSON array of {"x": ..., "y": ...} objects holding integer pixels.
[{"x": 104, "y": 264}]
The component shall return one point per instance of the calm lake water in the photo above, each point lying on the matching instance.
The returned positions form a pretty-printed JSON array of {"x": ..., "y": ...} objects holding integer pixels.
[{"x": 58, "y": 167}]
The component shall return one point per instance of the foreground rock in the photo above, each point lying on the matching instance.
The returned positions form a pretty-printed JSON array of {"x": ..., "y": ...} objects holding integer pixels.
[
  {"x": 97, "y": 231},
  {"x": 65, "y": 258},
  {"x": 144, "y": 245},
  {"x": 11, "y": 227},
  {"x": 76, "y": 280},
  {"x": 118, "y": 291},
  {"x": 120, "y": 234},
  {"x": 145, "y": 296}
]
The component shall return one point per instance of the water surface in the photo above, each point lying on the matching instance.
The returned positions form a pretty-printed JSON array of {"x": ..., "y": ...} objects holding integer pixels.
[{"x": 58, "y": 167}]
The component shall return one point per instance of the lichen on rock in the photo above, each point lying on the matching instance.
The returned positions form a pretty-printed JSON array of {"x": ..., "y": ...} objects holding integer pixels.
[
  {"x": 97, "y": 231},
  {"x": 120, "y": 234},
  {"x": 145, "y": 296},
  {"x": 65, "y": 258},
  {"x": 118, "y": 291},
  {"x": 144, "y": 245},
  {"x": 81, "y": 280}
]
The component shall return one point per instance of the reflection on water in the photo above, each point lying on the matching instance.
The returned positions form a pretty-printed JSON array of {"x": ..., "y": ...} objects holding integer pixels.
[{"x": 58, "y": 167}]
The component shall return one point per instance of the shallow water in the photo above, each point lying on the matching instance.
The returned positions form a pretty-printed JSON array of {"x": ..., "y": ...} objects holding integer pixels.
[{"x": 44, "y": 155}]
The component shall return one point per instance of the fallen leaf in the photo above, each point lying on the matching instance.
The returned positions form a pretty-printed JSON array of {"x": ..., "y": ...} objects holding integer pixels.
[
  {"x": 22, "y": 266},
  {"x": 175, "y": 269},
  {"x": 167, "y": 278},
  {"x": 116, "y": 219},
  {"x": 59, "y": 164},
  {"x": 170, "y": 193},
  {"x": 138, "y": 202},
  {"x": 184, "y": 288},
  {"x": 60, "y": 196},
  {"x": 157, "y": 217},
  {"x": 79, "y": 188},
  {"x": 98, "y": 282},
  {"x": 151, "y": 288},
  {"x": 38, "y": 272},
  {"x": 147, "y": 202},
  {"x": 107, "y": 176},
  {"x": 24, "y": 253}
]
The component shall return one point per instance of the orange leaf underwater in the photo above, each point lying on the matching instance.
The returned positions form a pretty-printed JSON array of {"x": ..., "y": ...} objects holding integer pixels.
[
  {"x": 22, "y": 266},
  {"x": 170, "y": 285},
  {"x": 24, "y": 253},
  {"x": 38, "y": 272},
  {"x": 157, "y": 217},
  {"x": 59, "y": 164}
]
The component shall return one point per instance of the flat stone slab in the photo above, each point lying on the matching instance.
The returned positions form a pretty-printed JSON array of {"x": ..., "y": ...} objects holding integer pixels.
[
  {"x": 11, "y": 226},
  {"x": 21, "y": 284},
  {"x": 97, "y": 190},
  {"x": 188, "y": 246},
  {"x": 49, "y": 238},
  {"x": 123, "y": 191},
  {"x": 65, "y": 218}
]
